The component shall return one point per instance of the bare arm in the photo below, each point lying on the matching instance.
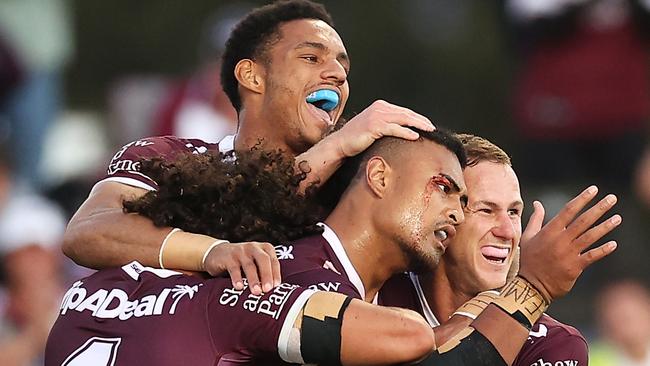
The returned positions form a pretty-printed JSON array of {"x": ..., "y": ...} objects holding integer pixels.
[
  {"x": 375, "y": 335},
  {"x": 101, "y": 235},
  {"x": 99, "y": 232},
  {"x": 379, "y": 119}
]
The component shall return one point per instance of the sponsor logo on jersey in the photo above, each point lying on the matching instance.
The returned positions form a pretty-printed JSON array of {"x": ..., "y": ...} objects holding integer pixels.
[
  {"x": 117, "y": 164},
  {"x": 326, "y": 286},
  {"x": 284, "y": 252},
  {"x": 541, "y": 362},
  {"x": 270, "y": 304},
  {"x": 123, "y": 165},
  {"x": 116, "y": 304}
]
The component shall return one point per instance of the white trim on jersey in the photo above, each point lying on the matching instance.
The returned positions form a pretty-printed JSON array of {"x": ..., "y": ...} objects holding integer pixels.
[
  {"x": 289, "y": 339},
  {"x": 350, "y": 271},
  {"x": 134, "y": 269},
  {"x": 128, "y": 181},
  {"x": 428, "y": 314}
]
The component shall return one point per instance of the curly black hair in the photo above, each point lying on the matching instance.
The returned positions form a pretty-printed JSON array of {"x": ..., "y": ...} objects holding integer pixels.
[
  {"x": 255, "y": 197},
  {"x": 252, "y": 35}
]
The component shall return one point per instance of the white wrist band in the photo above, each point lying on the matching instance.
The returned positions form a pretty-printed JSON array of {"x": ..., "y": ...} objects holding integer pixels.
[
  {"x": 207, "y": 251},
  {"x": 162, "y": 247}
]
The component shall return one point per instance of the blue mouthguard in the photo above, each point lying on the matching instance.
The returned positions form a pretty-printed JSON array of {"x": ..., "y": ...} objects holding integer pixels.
[{"x": 328, "y": 98}]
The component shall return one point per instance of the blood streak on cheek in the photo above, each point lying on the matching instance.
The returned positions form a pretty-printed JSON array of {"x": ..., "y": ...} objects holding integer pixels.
[{"x": 428, "y": 191}]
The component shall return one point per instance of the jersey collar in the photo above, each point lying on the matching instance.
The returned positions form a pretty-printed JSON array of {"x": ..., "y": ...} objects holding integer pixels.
[
  {"x": 335, "y": 243},
  {"x": 426, "y": 310}
]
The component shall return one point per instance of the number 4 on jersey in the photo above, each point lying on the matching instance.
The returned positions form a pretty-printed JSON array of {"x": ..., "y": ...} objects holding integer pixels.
[{"x": 96, "y": 351}]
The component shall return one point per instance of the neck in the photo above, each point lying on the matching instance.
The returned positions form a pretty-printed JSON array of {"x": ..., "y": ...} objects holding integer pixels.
[
  {"x": 374, "y": 257},
  {"x": 442, "y": 298},
  {"x": 254, "y": 130}
]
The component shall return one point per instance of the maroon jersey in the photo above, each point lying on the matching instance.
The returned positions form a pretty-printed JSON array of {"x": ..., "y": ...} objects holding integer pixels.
[
  {"x": 139, "y": 315},
  {"x": 124, "y": 164},
  {"x": 320, "y": 262},
  {"x": 550, "y": 342}
]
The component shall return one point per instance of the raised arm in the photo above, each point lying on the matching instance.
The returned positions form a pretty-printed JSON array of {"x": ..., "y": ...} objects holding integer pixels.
[
  {"x": 101, "y": 235},
  {"x": 379, "y": 119},
  {"x": 551, "y": 261}
]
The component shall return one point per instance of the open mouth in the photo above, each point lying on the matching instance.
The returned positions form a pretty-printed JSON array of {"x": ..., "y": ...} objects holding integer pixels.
[
  {"x": 494, "y": 254},
  {"x": 444, "y": 234},
  {"x": 323, "y": 102}
]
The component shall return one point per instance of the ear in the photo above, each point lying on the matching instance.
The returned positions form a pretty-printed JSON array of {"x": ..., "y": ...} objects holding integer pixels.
[
  {"x": 378, "y": 175},
  {"x": 250, "y": 74}
]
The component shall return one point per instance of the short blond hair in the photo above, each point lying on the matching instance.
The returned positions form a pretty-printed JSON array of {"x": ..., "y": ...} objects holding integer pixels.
[{"x": 479, "y": 149}]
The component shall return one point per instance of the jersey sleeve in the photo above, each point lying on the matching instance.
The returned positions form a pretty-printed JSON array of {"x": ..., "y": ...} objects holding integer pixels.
[
  {"x": 258, "y": 326},
  {"x": 557, "y": 349},
  {"x": 123, "y": 167},
  {"x": 261, "y": 325}
]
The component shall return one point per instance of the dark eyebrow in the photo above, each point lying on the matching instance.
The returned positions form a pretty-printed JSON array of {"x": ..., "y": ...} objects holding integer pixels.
[
  {"x": 342, "y": 56},
  {"x": 308, "y": 44},
  {"x": 456, "y": 188},
  {"x": 452, "y": 181}
]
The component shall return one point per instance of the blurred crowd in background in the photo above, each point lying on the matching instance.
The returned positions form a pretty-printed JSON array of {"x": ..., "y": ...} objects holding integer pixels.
[{"x": 562, "y": 85}]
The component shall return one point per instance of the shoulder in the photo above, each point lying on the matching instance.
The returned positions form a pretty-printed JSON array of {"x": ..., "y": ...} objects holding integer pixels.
[
  {"x": 308, "y": 262},
  {"x": 303, "y": 254},
  {"x": 551, "y": 341},
  {"x": 554, "y": 326},
  {"x": 165, "y": 145},
  {"x": 123, "y": 167}
]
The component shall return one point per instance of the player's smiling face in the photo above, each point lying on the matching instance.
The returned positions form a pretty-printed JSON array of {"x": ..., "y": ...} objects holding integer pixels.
[
  {"x": 306, "y": 82},
  {"x": 424, "y": 203},
  {"x": 480, "y": 255}
]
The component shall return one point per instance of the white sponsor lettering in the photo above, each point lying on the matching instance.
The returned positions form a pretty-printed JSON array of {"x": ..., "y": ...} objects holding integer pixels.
[
  {"x": 123, "y": 165},
  {"x": 143, "y": 143},
  {"x": 541, "y": 362},
  {"x": 326, "y": 286},
  {"x": 117, "y": 165},
  {"x": 284, "y": 252},
  {"x": 230, "y": 297},
  {"x": 115, "y": 304},
  {"x": 270, "y": 305}
]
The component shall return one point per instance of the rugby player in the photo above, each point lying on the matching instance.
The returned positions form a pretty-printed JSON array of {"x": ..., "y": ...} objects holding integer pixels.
[
  {"x": 285, "y": 71},
  {"x": 483, "y": 254},
  {"x": 398, "y": 213}
]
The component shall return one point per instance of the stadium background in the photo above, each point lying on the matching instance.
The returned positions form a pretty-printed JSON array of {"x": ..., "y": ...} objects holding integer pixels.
[{"x": 454, "y": 61}]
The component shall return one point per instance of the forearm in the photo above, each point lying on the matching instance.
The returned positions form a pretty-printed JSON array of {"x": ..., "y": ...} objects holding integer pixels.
[
  {"x": 320, "y": 161},
  {"x": 383, "y": 336},
  {"x": 111, "y": 238},
  {"x": 335, "y": 329},
  {"x": 502, "y": 319}
]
